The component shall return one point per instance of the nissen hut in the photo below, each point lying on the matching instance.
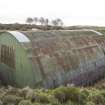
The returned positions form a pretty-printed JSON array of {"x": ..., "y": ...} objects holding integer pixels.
[{"x": 51, "y": 58}]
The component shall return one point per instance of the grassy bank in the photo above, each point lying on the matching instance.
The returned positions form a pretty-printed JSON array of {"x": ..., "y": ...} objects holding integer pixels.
[{"x": 58, "y": 96}]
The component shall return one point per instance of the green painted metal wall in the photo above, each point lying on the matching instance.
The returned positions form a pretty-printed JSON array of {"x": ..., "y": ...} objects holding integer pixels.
[{"x": 23, "y": 74}]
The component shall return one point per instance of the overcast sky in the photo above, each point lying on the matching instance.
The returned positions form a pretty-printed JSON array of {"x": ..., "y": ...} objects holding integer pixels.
[{"x": 72, "y": 12}]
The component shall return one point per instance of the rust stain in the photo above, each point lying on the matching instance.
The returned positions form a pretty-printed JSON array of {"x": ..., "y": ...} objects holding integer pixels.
[{"x": 82, "y": 48}]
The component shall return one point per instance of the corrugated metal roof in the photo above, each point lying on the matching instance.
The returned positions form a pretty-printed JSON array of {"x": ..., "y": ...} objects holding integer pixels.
[
  {"x": 98, "y": 33},
  {"x": 61, "y": 50},
  {"x": 65, "y": 53},
  {"x": 53, "y": 33},
  {"x": 58, "y": 51},
  {"x": 19, "y": 36}
]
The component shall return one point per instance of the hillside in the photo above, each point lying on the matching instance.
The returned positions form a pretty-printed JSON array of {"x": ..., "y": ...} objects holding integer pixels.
[{"x": 24, "y": 27}]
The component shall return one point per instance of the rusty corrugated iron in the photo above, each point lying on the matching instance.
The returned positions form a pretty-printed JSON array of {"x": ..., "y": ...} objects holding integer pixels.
[{"x": 63, "y": 57}]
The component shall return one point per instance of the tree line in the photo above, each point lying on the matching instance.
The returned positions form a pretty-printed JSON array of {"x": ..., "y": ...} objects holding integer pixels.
[
  {"x": 44, "y": 21},
  {"x": 25, "y": 27}
]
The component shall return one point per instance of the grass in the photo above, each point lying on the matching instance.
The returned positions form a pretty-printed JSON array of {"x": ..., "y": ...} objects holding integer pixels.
[{"x": 58, "y": 96}]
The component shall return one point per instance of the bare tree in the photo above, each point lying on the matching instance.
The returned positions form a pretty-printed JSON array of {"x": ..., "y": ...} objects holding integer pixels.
[
  {"x": 42, "y": 20},
  {"x": 35, "y": 20},
  {"x": 29, "y": 20},
  {"x": 59, "y": 21},
  {"x": 46, "y": 22},
  {"x": 54, "y": 22}
]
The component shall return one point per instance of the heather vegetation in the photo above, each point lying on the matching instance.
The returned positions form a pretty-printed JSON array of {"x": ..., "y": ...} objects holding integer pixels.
[
  {"x": 46, "y": 26},
  {"x": 58, "y": 96}
]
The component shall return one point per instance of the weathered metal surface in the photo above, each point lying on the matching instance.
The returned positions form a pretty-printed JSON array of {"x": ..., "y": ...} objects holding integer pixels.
[
  {"x": 19, "y": 36},
  {"x": 62, "y": 57},
  {"x": 7, "y": 64},
  {"x": 7, "y": 56},
  {"x": 65, "y": 57}
]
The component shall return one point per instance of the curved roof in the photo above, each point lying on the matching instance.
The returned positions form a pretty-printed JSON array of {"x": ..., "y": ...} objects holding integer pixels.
[
  {"x": 19, "y": 36},
  {"x": 58, "y": 44},
  {"x": 97, "y": 32},
  {"x": 73, "y": 33},
  {"x": 28, "y": 36},
  {"x": 63, "y": 50}
]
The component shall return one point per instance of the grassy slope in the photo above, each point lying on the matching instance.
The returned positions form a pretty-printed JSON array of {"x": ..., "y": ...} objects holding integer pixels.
[{"x": 58, "y": 96}]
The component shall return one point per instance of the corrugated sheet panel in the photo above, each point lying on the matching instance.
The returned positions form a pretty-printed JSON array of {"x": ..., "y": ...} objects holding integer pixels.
[
  {"x": 46, "y": 34},
  {"x": 59, "y": 55},
  {"x": 19, "y": 36},
  {"x": 65, "y": 53}
]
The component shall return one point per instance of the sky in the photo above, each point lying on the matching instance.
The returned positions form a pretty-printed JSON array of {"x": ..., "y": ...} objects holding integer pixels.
[{"x": 72, "y": 12}]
